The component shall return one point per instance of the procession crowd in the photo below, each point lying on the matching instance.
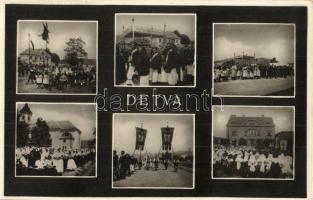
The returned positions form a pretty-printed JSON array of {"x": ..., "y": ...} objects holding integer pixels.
[
  {"x": 58, "y": 77},
  {"x": 237, "y": 72},
  {"x": 48, "y": 161},
  {"x": 125, "y": 165},
  {"x": 170, "y": 65},
  {"x": 247, "y": 162}
]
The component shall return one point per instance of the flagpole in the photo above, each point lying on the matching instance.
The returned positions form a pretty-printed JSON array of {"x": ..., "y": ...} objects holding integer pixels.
[{"x": 29, "y": 48}]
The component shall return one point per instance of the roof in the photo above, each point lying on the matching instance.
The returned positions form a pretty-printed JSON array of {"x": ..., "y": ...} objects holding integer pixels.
[
  {"x": 26, "y": 110},
  {"x": 250, "y": 121},
  {"x": 36, "y": 52},
  {"x": 285, "y": 135},
  {"x": 62, "y": 126},
  {"x": 140, "y": 31}
]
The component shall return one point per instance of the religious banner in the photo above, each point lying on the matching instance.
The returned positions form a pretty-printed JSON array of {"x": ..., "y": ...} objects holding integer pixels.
[
  {"x": 140, "y": 138},
  {"x": 167, "y": 137}
]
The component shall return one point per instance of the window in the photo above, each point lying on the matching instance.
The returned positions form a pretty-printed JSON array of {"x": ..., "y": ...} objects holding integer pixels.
[
  {"x": 23, "y": 118},
  {"x": 234, "y": 133},
  {"x": 269, "y": 133},
  {"x": 258, "y": 133},
  {"x": 28, "y": 118}
]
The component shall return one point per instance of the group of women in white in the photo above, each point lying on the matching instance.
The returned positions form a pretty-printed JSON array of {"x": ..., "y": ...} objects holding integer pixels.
[
  {"x": 42, "y": 158},
  {"x": 248, "y": 162}
]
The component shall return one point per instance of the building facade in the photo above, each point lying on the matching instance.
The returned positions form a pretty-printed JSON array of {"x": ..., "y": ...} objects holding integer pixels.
[
  {"x": 35, "y": 57},
  {"x": 63, "y": 134},
  {"x": 148, "y": 37},
  {"x": 242, "y": 130}
]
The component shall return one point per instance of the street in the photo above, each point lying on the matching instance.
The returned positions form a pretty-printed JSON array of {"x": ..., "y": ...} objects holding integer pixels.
[
  {"x": 258, "y": 87},
  {"x": 161, "y": 178}
]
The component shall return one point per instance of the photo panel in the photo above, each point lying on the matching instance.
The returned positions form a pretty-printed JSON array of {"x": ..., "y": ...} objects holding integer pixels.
[
  {"x": 57, "y": 57},
  {"x": 155, "y": 50},
  {"x": 254, "y": 59},
  {"x": 56, "y": 140},
  {"x": 153, "y": 151},
  {"x": 253, "y": 142}
]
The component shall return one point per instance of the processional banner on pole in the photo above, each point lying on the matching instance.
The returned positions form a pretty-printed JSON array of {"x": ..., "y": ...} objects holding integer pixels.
[
  {"x": 167, "y": 137},
  {"x": 140, "y": 138}
]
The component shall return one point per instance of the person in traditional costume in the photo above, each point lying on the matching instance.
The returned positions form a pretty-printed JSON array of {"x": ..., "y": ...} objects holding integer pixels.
[
  {"x": 71, "y": 165},
  {"x": 172, "y": 64},
  {"x": 233, "y": 72},
  {"x": 245, "y": 73},
  {"x": 134, "y": 61},
  {"x": 156, "y": 65},
  {"x": 143, "y": 68},
  {"x": 58, "y": 161},
  {"x": 121, "y": 74}
]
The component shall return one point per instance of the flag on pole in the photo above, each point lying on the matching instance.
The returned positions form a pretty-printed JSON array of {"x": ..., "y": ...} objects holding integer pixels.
[
  {"x": 140, "y": 138},
  {"x": 45, "y": 32},
  {"x": 31, "y": 42}
]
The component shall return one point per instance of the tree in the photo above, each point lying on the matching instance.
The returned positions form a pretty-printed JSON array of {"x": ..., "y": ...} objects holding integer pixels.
[
  {"x": 55, "y": 58},
  {"x": 75, "y": 52},
  {"x": 40, "y": 133}
]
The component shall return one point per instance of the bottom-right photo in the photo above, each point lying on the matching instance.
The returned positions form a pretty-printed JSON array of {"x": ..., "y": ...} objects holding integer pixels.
[{"x": 253, "y": 142}]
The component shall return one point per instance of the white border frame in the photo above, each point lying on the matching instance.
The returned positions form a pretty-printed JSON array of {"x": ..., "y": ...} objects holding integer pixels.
[
  {"x": 158, "y": 86},
  {"x": 250, "y": 23},
  {"x": 60, "y": 21},
  {"x": 266, "y": 179},
  {"x": 56, "y": 103},
  {"x": 193, "y": 149}
]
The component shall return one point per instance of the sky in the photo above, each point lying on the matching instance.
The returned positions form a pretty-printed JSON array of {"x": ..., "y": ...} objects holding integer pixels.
[
  {"x": 125, "y": 132},
  {"x": 265, "y": 40},
  {"x": 83, "y": 116},
  {"x": 185, "y": 24},
  {"x": 282, "y": 116},
  {"x": 60, "y": 33}
]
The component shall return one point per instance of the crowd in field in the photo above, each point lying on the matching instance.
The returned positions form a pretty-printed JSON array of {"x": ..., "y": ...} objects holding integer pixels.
[
  {"x": 48, "y": 161},
  {"x": 144, "y": 66},
  {"x": 237, "y": 72},
  {"x": 125, "y": 165},
  {"x": 247, "y": 162},
  {"x": 59, "y": 77}
]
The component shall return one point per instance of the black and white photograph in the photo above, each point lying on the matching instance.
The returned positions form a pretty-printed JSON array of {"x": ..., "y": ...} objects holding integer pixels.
[
  {"x": 56, "y": 140},
  {"x": 57, "y": 57},
  {"x": 155, "y": 49},
  {"x": 153, "y": 151},
  {"x": 253, "y": 142},
  {"x": 254, "y": 59}
]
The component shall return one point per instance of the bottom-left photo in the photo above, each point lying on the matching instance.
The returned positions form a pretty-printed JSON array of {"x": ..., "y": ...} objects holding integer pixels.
[{"x": 56, "y": 139}]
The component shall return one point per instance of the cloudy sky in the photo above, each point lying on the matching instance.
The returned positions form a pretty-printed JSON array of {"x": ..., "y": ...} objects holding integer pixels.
[
  {"x": 125, "y": 133},
  {"x": 83, "y": 116},
  {"x": 60, "y": 33},
  {"x": 185, "y": 24},
  {"x": 282, "y": 117},
  {"x": 265, "y": 40}
]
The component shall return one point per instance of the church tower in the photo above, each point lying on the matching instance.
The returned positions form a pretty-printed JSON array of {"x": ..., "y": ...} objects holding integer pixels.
[{"x": 25, "y": 114}]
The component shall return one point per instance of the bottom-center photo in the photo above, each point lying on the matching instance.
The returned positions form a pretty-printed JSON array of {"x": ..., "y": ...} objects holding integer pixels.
[{"x": 153, "y": 150}]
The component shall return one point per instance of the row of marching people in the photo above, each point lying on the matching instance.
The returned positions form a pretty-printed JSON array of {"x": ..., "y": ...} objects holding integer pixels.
[
  {"x": 48, "y": 77},
  {"x": 234, "y": 72},
  {"x": 125, "y": 165},
  {"x": 49, "y": 161},
  {"x": 242, "y": 162},
  {"x": 168, "y": 66}
]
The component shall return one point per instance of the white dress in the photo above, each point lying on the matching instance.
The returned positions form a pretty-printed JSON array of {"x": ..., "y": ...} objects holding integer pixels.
[
  {"x": 173, "y": 77},
  {"x": 71, "y": 165}
]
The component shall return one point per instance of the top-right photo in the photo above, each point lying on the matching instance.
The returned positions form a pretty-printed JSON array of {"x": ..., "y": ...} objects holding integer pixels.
[{"x": 254, "y": 59}]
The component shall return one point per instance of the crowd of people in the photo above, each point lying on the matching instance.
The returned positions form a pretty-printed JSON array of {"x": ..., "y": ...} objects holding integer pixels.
[
  {"x": 248, "y": 162},
  {"x": 144, "y": 66},
  {"x": 125, "y": 165},
  {"x": 58, "y": 77},
  {"x": 237, "y": 72},
  {"x": 47, "y": 161}
]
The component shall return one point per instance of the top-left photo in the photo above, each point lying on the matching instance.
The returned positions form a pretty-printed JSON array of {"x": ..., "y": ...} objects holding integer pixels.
[{"x": 57, "y": 57}]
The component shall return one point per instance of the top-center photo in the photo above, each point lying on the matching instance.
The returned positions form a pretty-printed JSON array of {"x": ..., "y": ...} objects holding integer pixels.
[{"x": 155, "y": 50}]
